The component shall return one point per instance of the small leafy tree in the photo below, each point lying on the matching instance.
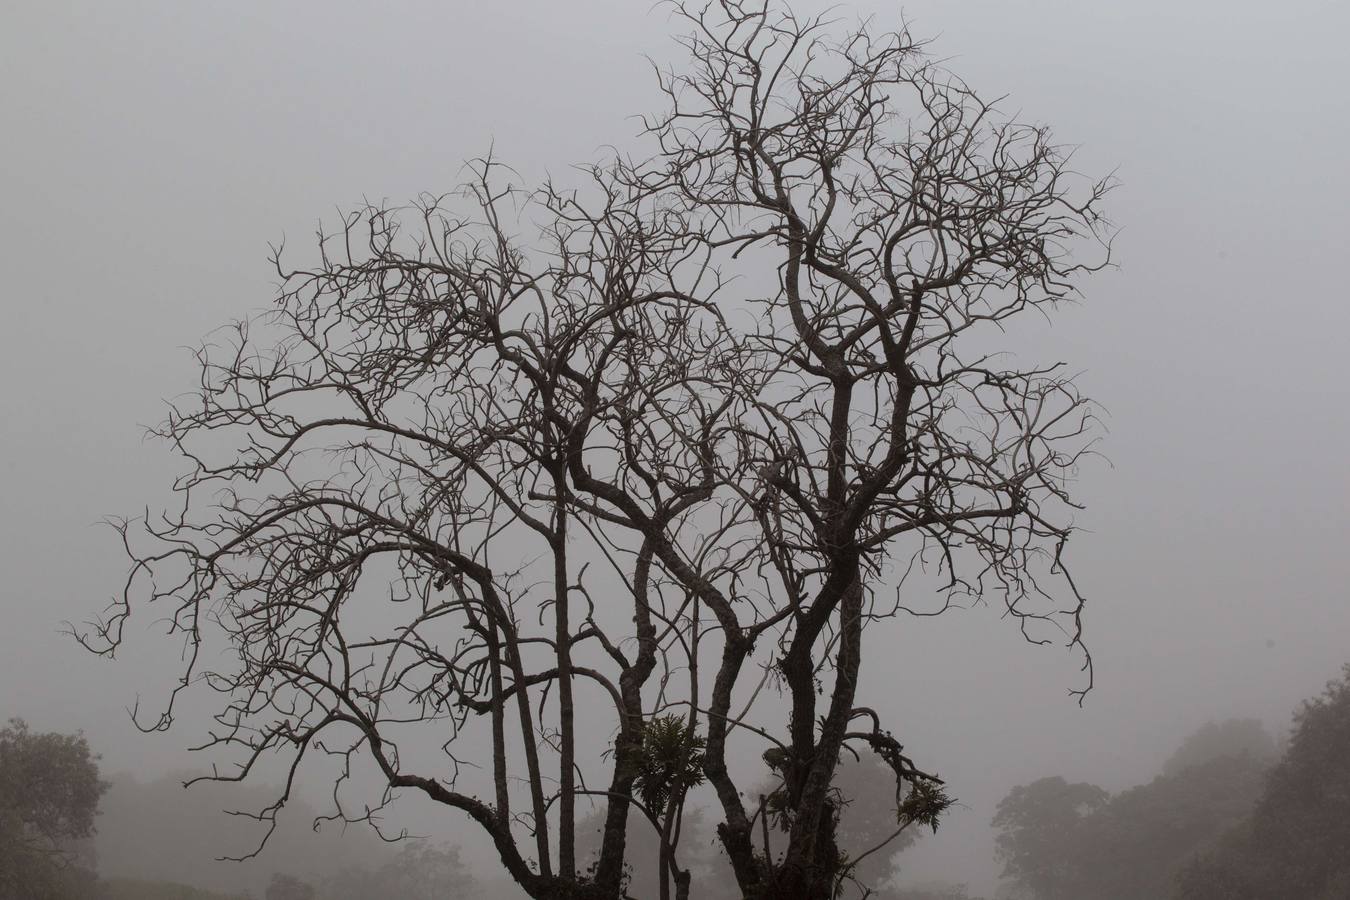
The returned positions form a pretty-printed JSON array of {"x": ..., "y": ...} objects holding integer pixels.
[
  {"x": 1038, "y": 824},
  {"x": 669, "y": 765},
  {"x": 49, "y": 794}
]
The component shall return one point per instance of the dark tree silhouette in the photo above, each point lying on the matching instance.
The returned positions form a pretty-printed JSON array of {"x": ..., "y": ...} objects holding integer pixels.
[
  {"x": 49, "y": 794},
  {"x": 643, "y": 445}
]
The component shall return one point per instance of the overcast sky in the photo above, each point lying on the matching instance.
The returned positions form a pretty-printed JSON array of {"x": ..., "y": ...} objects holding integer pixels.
[{"x": 152, "y": 150}]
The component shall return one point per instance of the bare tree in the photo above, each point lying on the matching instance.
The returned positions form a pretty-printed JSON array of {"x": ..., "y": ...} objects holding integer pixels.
[{"x": 716, "y": 411}]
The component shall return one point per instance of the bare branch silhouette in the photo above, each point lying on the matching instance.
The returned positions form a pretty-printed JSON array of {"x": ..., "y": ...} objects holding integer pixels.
[{"x": 639, "y": 439}]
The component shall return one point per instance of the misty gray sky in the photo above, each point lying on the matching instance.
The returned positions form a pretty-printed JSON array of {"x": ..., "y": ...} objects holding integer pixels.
[{"x": 151, "y": 150}]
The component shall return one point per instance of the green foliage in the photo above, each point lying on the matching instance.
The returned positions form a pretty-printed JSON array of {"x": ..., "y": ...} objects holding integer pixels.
[
  {"x": 671, "y": 763},
  {"x": 924, "y": 805},
  {"x": 49, "y": 795}
]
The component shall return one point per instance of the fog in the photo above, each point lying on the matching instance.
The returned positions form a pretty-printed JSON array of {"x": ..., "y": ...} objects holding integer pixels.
[{"x": 152, "y": 150}]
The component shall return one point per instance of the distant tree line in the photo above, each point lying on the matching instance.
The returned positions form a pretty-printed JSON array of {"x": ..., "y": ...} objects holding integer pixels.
[
  {"x": 1228, "y": 818},
  {"x": 1295, "y": 843}
]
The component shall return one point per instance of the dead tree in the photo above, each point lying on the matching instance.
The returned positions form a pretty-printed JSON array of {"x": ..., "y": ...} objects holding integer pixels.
[{"x": 669, "y": 446}]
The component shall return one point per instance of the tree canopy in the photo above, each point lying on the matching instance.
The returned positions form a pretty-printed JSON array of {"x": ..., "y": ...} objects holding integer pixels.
[
  {"x": 49, "y": 796},
  {"x": 1294, "y": 843},
  {"x": 1230, "y": 737},
  {"x": 646, "y": 444},
  {"x": 1036, "y": 824}
]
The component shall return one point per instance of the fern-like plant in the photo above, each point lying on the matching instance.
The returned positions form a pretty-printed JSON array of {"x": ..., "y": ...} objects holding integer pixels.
[{"x": 671, "y": 762}]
